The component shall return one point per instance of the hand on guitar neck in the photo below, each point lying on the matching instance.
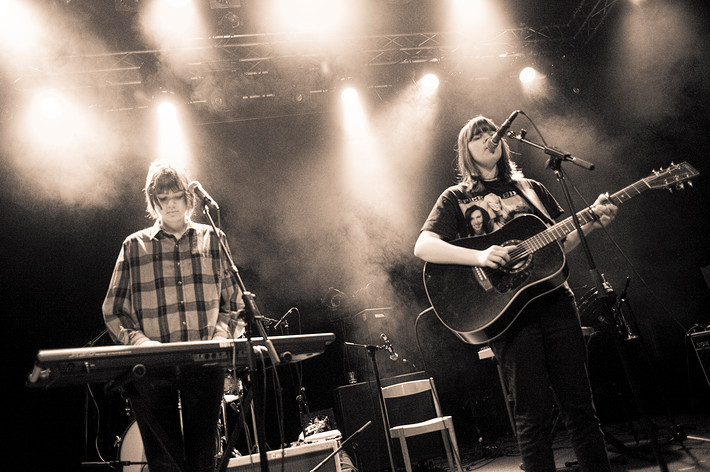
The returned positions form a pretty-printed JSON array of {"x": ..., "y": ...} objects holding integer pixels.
[{"x": 603, "y": 211}]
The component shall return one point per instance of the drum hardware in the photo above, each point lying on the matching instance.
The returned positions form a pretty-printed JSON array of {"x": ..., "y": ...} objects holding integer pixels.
[
  {"x": 130, "y": 447},
  {"x": 615, "y": 320},
  {"x": 131, "y": 453}
]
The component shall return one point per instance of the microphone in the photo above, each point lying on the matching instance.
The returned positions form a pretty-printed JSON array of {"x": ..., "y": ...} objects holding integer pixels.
[
  {"x": 196, "y": 188},
  {"x": 283, "y": 318},
  {"x": 492, "y": 143},
  {"x": 388, "y": 347}
]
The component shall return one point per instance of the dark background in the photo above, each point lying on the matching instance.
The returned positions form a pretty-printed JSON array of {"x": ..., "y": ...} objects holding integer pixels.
[{"x": 630, "y": 101}]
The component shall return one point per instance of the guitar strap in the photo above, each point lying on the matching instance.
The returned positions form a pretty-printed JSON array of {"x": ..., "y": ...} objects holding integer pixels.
[{"x": 527, "y": 190}]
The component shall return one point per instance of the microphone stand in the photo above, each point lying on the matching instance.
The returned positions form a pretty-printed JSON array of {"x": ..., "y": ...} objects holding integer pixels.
[
  {"x": 372, "y": 350},
  {"x": 254, "y": 319},
  {"x": 608, "y": 297}
]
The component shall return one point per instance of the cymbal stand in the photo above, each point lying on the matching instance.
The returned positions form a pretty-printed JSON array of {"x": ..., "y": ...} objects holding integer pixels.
[
  {"x": 625, "y": 330},
  {"x": 608, "y": 296},
  {"x": 623, "y": 335},
  {"x": 254, "y": 320}
]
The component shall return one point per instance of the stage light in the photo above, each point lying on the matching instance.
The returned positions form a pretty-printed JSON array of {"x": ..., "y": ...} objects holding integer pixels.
[
  {"x": 167, "y": 110},
  {"x": 527, "y": 75},
  {"x": 53, "y": 120},
  {"x": 169, "y": 23},
  {"x": 166, "y": 104},
  {"x": 476, "y": 18},
  {"x": 429, "y": 82},
  {"x": 349, "y": 94},
  {"x": 18, "y": 20},
  {"x": 50, "y": 107}
]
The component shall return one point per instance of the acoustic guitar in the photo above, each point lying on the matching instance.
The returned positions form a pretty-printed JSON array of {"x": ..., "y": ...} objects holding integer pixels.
[{"x": 479, "y": 304}]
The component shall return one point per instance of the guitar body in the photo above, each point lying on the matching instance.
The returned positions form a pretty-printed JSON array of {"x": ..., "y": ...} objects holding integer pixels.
[{"x": 479, "y": 304}]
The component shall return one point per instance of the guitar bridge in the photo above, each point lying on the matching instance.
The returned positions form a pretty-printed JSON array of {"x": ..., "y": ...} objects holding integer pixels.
[{"x": 482, "y": 278}]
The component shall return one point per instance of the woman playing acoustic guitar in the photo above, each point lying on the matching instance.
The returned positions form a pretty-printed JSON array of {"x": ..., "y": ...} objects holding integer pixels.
[{"x": 542, "y": 351}]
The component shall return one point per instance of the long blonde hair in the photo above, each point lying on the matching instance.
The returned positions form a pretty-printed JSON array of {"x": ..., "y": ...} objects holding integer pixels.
[{"x": 467, "y": 172}]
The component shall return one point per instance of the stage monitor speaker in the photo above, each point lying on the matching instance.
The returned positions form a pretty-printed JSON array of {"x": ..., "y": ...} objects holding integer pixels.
[
  {"x": 701, "y": 344},
  {"x": 295, "y": 459},
  {"x": 358, "y": 403}
]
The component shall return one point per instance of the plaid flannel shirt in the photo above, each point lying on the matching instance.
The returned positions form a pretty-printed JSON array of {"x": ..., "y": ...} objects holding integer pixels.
[{"x": 171, "y": 290}]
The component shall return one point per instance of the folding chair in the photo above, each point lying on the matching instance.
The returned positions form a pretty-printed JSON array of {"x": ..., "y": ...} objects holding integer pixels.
[{"x": 437, "y": 423}]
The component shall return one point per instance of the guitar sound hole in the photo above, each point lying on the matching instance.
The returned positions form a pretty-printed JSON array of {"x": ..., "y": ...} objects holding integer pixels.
[
  {"x": 520, "y": 259},
  {"x": 514, "y": 274}
]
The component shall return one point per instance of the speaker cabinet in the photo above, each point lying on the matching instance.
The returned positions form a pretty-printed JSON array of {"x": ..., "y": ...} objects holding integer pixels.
[
  {"x": 295, "y": 459},
  {"x": 356, "y": 404}
]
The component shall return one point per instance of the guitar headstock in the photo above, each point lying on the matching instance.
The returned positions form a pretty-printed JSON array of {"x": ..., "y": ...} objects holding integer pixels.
[{"x": 673, "y": 177}]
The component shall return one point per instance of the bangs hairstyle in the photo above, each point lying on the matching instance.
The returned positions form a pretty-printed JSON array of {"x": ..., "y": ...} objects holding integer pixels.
[
  {"x": 164, "y": 178},
  {"x": 467, "y": 172}
]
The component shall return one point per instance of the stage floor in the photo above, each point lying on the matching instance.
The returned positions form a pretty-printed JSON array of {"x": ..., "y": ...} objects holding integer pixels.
[{"x": 693, "y": 454}]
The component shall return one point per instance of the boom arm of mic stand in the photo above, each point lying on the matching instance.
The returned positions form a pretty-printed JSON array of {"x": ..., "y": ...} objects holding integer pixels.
[{"x": 554, "y": 153}]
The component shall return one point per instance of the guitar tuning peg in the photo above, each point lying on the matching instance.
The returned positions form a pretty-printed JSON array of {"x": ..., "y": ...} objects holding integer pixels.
[
  {"x": 690, "y": 183},
  {"x": 681, "y": 186}
]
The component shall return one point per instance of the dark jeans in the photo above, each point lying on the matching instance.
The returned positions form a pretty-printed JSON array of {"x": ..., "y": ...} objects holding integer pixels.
[
  {"x": 169, "y": 445},
  {"x": 542, "y": 354}
]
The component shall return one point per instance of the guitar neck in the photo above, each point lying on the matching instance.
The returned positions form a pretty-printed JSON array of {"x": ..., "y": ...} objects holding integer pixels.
[{"x": 566, "y": 226}]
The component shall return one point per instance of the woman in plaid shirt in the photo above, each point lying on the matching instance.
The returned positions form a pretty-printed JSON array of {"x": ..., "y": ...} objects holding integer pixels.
[{"x": 172, "y": 283}]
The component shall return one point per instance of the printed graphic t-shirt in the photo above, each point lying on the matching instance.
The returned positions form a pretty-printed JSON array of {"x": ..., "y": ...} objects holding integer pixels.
[{"x": 458, "y": 214}]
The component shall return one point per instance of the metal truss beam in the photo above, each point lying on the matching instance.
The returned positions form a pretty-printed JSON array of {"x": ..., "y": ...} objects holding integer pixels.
[
  {"x": 276, "y": 65},
  {"x": 259, "y": 52},
  {"x": 588, "y": 18}
]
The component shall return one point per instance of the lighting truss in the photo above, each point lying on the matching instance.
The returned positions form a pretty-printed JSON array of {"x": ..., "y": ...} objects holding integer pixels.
[
  {"x": 588, "y": 18},
  {"x": 116, "y": 75}
]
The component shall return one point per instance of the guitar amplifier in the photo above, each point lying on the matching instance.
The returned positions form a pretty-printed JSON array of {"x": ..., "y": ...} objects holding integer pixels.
[
  {"x": 294, "y": 459},
  {"x": 701, "y": 344}
]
